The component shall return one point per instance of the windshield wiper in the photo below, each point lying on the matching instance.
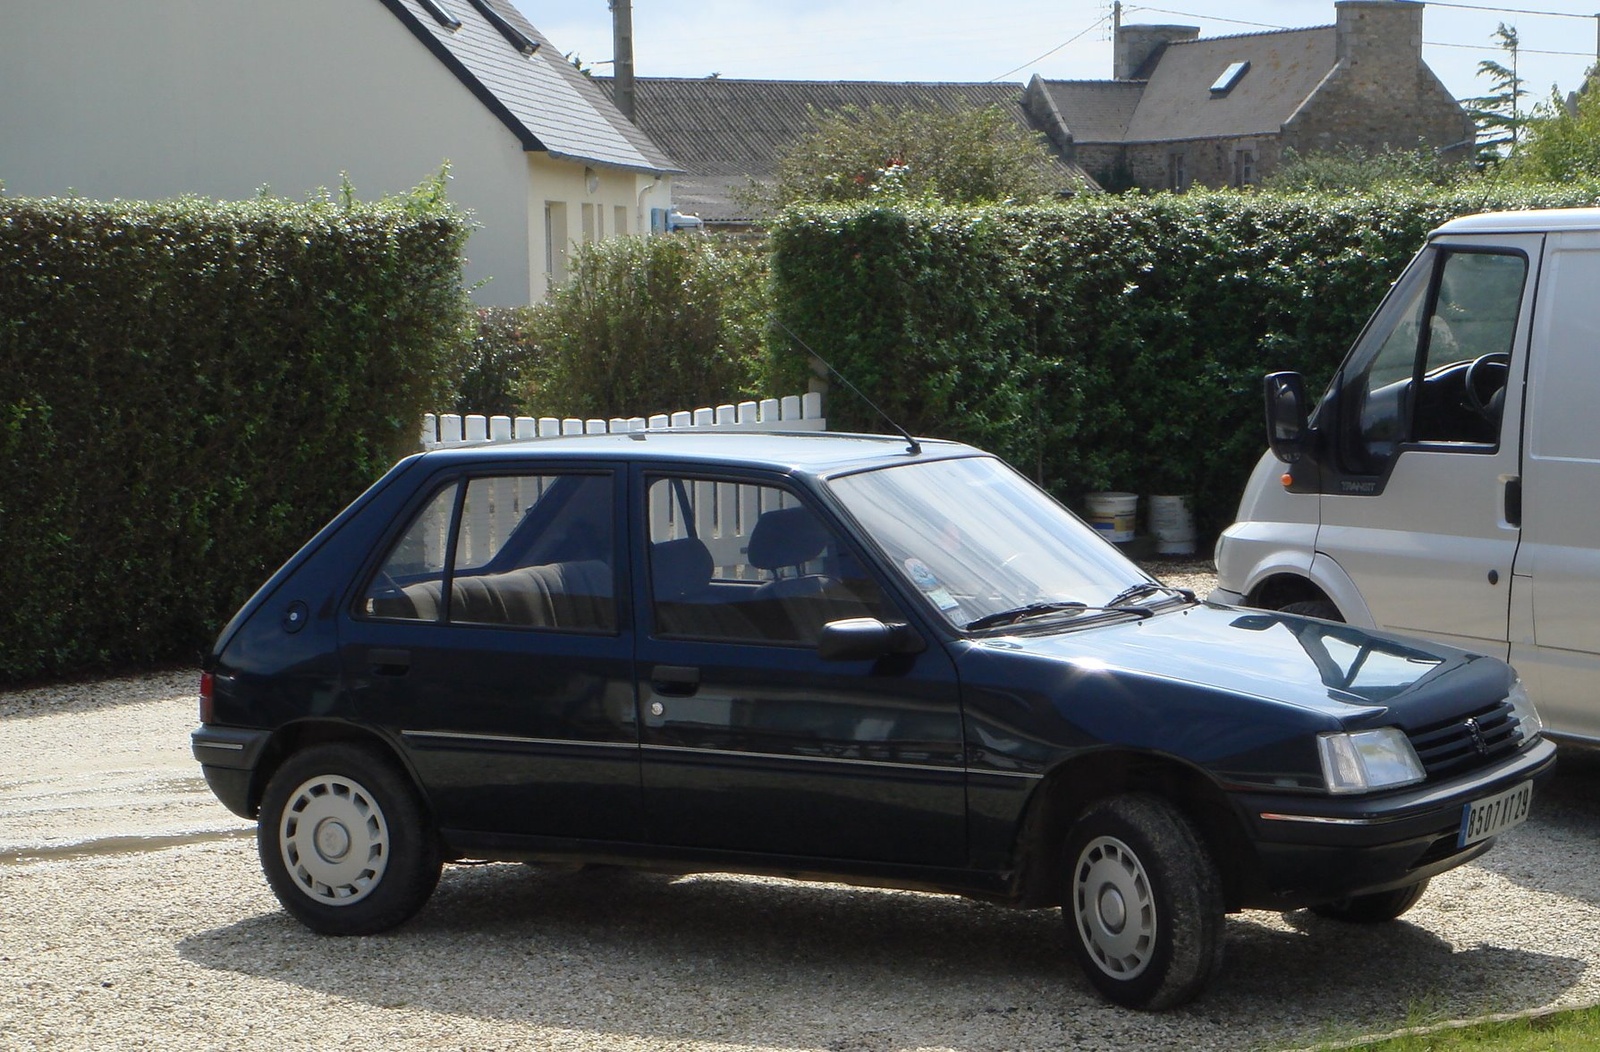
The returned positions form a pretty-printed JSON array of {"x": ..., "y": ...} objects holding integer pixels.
[
  {"x": 1022, "y": 613},
  {"x": 1144, "y": 588}
]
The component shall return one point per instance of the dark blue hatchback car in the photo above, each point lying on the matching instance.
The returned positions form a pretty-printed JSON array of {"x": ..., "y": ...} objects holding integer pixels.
[{"x": 836, "y": 657}]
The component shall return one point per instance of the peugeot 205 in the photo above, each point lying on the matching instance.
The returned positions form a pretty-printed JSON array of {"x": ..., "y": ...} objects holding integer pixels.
[{"x": 837, "y": 657}]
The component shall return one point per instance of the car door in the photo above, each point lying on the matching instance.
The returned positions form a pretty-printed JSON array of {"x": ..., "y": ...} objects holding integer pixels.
[
  {"x": 751, "y": 742},
  {"x": 1429, "y": 417},
  {"x": 1558, "y": 567},
  {"x": 492, "y": 641}
]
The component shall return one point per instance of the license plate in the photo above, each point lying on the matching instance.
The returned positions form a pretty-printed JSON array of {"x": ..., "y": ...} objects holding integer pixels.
[{"x": 1483, "y": 819}]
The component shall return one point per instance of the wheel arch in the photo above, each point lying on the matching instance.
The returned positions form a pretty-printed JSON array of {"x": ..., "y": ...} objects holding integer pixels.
[
  {"x": 1324, "y": 580},
  {"x": 1073, "y": 786},
  {"x": 303, "y": 734}
]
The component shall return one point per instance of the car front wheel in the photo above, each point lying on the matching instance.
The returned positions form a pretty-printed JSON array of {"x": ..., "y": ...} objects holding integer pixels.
[
  {"x": 1144, "y": 902},
  {"x": 1376, "y": 908},
  {"x": 344, "y": 841}
]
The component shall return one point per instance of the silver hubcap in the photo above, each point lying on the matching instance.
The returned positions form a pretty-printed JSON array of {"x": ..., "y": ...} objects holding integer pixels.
[
  {"x": 1113, "y": 908},
  {"x": 334, "y": 840}
]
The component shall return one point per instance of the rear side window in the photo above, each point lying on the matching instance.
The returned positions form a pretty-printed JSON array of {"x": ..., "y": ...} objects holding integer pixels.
[{"x": 520, "y": 551}]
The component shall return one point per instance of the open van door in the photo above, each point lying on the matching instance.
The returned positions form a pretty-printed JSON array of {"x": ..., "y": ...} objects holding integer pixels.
[{"x": 1426, "y": 413}]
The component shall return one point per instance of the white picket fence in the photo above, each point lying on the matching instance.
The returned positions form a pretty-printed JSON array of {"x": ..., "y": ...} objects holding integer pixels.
[{"x": 791, "y": 413}]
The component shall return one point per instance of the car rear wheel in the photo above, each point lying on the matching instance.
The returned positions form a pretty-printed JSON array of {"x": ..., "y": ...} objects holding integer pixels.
[
  {"x": 344, "y": 841},
  {"x": 1375, "y": 908},
  {"x": 1144, "y": 902}
]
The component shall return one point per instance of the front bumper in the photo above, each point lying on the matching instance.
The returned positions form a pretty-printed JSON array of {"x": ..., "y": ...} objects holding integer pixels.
[
  {"x": 228, "y": 757},
  {"x": 1315, "y": 850}
]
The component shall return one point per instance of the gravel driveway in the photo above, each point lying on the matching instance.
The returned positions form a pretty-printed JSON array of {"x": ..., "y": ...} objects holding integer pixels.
[{"x": 133, "y": 914}]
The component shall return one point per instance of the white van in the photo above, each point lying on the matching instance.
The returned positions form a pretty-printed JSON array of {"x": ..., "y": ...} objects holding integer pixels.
[{"x": 1448, "y": 483}]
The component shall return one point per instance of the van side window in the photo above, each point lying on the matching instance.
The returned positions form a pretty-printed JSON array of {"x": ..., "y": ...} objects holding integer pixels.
[{"x": 1433, "y": 369}]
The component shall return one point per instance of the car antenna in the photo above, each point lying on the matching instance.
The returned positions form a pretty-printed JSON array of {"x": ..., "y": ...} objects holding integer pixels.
[{"x": 912, "y": 445}]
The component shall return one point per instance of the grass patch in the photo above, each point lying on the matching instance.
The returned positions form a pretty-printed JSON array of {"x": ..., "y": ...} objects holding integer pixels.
[{"x": 1574, "y": 1031}]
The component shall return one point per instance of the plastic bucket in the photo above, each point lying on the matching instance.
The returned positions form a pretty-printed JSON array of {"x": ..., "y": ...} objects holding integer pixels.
[
  {"x": 1173, "y": 524},
  {"x": 1112, "y": 514}
]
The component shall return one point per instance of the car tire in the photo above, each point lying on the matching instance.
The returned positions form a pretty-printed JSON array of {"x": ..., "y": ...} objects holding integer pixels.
[
  {"x": 1143, "y": 902},
  {"x": 1376, "y": 908},
  {"x": 344, "y": 841},
  {"x": 1313, "y": 608}
]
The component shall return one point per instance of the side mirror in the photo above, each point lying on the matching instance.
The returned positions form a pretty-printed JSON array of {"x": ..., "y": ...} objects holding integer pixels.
[
  {"x": 1288, "y": 429},
  {"x": 866, "y": 639}
]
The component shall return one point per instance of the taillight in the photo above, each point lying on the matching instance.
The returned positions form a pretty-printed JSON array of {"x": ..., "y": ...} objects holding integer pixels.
[{"x": 207, "y": 688}]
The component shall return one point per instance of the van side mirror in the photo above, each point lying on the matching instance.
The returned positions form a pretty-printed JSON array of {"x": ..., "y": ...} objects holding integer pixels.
[
  {"x": 1288, "y": 428},
  {"x": 866, "y": 639}
]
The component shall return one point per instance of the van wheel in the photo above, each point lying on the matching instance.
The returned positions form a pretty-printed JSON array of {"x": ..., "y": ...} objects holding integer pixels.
[
  {"x": 1376, "y": 908},
  {"x": 1144, "y": 901},
  {"x": 344, "y": 841},
  {"x": 1313, "y": 608}
]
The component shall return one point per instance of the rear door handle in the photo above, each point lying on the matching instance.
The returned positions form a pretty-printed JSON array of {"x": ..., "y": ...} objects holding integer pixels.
[
  {"x": 1513, "y": 498},
  {"x": 675, "y": 681},
  {"x": 389, "y": 662}
]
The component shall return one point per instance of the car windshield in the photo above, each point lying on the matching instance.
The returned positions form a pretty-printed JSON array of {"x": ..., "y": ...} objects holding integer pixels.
[{"x": 986, "y": 547}]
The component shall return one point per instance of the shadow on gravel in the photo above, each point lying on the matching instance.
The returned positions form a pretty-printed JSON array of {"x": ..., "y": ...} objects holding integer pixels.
[
  {"x": 1555, "y": 851},
  {"x": 798, "y": 965}
]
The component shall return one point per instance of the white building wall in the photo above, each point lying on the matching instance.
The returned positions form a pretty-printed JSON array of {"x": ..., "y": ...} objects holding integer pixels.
[{"x": 143, "y": 99}]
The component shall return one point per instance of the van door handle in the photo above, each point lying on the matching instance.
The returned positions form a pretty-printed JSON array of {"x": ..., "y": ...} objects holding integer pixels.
[
  {"x": 1513, "y": 501},
  {"x": 675, "y": 681},
  {"x": 389, "y": 662}
]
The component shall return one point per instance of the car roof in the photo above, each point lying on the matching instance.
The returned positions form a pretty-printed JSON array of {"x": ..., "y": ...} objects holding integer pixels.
[
  {"x": 810, "y": 453},
  {"x": 1531, "y": 221}
]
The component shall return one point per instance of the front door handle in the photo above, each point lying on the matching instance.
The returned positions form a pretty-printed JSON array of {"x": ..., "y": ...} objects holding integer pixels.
[
  {"x": 675, "y": 681},
  {"x": 389, "y": 662}
]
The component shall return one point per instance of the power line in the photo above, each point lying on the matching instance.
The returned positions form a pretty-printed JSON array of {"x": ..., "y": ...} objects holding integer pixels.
[
  {"x": 1209, "y": 18},
  {"x": 1520, "y": 50},
  {"x": 1511, "y": 11},
  {"x": 1033, "y": 62}
]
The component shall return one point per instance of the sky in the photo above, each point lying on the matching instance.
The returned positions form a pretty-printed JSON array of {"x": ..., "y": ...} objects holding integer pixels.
[{"x": 1010, "y": 40}]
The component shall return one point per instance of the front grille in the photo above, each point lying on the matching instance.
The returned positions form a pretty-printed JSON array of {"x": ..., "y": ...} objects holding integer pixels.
[{"x": 1464, "y": 742}]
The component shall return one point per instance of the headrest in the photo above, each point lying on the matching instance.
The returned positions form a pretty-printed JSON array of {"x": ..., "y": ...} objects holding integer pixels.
[
  {"x": 679, "y": 568},
  {"x": 786, "y": 537}
]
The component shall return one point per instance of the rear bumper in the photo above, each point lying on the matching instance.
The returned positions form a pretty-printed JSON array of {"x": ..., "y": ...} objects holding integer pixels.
[
  {"x": 1311, "y": 851},
  {"x": 228, "y": 758}
]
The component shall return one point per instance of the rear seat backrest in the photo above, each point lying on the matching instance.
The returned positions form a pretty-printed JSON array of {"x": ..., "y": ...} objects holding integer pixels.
[{"x": 555, "y": 595}]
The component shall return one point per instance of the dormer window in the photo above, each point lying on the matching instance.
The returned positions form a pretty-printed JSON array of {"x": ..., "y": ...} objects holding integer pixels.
[
  {"x": 1230, "y": 77},
  {"x": 441, "y": 14}
]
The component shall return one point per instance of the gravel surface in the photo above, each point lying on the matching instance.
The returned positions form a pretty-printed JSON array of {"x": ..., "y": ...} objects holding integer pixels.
[{"x": 133, "y": 915}]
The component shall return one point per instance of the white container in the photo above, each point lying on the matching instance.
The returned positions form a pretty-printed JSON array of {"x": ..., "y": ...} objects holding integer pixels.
[
  {"x": 1173, "y": 524},
  {"x": 1112, "y": 514}
]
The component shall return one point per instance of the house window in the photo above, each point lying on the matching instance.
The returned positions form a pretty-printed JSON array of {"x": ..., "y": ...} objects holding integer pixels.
[
  {"x": 555, "y": 242},
  {"x": 1177, "y": 172},
  {"x": 1244, "y": 168},
  {"x": 588, "y": 222},
  {"x": 1229, "y": 79},
  {"x": 619, "y": 223}
]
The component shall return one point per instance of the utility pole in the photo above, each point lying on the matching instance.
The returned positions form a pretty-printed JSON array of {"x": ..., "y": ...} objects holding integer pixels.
[{"x": 622, "y": 55}]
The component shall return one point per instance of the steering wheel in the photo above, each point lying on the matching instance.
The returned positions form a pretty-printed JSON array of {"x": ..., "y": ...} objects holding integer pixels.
[{"x": 1481, "y": 382}]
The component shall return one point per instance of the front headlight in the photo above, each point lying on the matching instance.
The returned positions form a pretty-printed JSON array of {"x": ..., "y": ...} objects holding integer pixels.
[
  {"x": 1360, "y": 761},
  {"x": 1526, "y": 715}
]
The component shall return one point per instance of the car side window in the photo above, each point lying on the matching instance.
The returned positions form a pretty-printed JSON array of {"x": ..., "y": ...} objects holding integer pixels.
[
  {"x": 743, "y": 562},
  {"x": 1437, "y": 373},
  {"x": 523, "y": 551}
]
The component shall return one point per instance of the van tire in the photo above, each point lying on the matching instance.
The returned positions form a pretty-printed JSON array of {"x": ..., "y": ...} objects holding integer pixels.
[{"x": 1313, "y": 608}]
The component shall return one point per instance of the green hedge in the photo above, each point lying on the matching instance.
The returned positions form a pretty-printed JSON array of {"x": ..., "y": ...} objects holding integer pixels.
[
  {"x": 1112, "y": 343},
  {"x": 188, "y": 390}
]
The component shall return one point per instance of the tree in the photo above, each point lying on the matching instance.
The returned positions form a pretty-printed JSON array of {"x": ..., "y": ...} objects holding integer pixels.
[
  {"x": 969, "y": 155},
  {"x": 1498, "y": 114},
  {"x": 1562, "y": 140}
]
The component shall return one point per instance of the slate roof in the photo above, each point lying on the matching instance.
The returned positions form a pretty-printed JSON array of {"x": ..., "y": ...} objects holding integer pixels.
[
  {"x": 541, "y": 98},
  {"x": 1176, "y": 102},
  {"x": 725, "y": 132}
]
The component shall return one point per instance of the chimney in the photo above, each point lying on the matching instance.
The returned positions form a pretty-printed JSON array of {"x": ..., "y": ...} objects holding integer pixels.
[
  {"x": 622, "y": 56},
  {"x": 1379, "y": 33},
  {"x": 1135, "y": 45}
]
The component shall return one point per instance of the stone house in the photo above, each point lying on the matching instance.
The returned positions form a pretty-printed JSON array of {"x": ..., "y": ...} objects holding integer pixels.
[
  {"x": 220, "y": 98},
  {"x": 1182, "y": 111}
]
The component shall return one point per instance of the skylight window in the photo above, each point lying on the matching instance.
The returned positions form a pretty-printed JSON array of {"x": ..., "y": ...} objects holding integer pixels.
[
  {"x": 1229, "y": 79},
  {"x": 441, "y": 14},
  {"x": 516, "y": 37}
]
